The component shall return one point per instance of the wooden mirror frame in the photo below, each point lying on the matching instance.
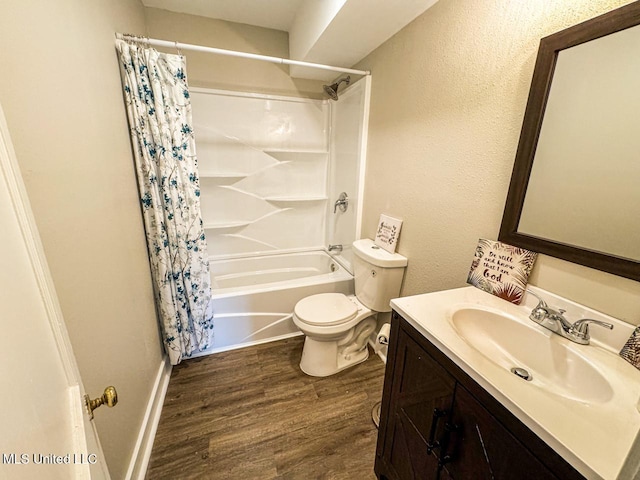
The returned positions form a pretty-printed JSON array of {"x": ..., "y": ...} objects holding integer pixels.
[{"x": 614, "y": 21}]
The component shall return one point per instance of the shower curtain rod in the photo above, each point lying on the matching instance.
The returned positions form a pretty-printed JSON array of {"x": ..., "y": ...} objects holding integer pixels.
[{"x": 232, "y": 53}]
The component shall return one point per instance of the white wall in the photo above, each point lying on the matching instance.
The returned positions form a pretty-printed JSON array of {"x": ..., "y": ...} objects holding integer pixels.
[
  {"x": 61, "y": 93},
  {"x": 448, "y": 99}
]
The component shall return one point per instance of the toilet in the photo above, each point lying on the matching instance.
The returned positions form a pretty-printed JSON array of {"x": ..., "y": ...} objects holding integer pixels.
[{"x": 337, "y": 326}]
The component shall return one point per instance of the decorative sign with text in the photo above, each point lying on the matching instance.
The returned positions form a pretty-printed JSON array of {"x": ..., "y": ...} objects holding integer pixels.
[
  {"x": 631, "y": 350},
  {"x": 388, "y": 233},
  {"x": 501, "y": 269}
]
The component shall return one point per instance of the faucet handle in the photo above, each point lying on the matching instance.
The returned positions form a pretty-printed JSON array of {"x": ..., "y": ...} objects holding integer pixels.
[
  {"x": 342, "y": 203},
  {"x": 541, "y": 302},
  {"x": 540, "y": 311},
  {"x": 581, "y": 327}
]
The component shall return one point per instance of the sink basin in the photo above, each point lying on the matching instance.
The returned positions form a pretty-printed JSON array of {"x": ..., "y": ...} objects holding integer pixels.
[{"x": 555, "y": 364}]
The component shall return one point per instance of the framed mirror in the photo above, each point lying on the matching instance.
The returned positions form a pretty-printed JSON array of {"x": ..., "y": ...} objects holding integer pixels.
[{"x": 575, "y": 187}]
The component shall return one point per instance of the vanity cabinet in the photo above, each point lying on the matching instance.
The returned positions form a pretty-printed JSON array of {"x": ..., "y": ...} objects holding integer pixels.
[{"x": 438, "y": 423}]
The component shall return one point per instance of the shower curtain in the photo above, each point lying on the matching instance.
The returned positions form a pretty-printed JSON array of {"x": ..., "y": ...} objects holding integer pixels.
[{"x": 159, "y": 112}]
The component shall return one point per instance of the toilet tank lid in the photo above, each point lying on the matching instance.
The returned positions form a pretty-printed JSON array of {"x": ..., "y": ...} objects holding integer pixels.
[{"x": 368, "y": 251}]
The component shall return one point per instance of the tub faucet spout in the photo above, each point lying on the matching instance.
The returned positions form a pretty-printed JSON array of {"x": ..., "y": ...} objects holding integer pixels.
[{"x": 337, "y": 248}]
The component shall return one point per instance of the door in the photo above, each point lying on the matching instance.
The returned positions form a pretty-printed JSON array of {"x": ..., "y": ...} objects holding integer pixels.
[{"x": 46, "y": 432}]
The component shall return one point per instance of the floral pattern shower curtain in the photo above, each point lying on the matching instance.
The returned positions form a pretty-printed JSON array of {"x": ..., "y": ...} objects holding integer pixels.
[{"x": 159, "y": 112}]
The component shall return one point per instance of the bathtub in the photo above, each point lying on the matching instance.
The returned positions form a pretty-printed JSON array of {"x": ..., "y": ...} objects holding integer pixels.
[{"x": 254, "y": 297}]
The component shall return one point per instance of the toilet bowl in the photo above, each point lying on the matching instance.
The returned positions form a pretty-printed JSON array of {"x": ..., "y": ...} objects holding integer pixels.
[{"x": 337, "y": 326}]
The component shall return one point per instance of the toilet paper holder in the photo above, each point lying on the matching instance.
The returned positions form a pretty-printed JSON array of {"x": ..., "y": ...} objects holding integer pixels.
[{"x": 383, "y": 334}]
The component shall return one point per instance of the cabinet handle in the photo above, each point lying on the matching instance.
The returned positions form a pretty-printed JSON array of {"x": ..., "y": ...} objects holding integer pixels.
[
  {"x": 446, "y": 457},
  {"x": 431, "y": 443}
]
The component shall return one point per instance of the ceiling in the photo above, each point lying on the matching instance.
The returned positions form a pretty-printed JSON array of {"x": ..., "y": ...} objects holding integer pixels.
[
  {"x": 318, "y": 30},
  {"x": 276, "y": 14}
]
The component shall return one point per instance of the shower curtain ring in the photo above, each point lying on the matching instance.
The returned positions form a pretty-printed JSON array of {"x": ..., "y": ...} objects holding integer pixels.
[{"x": 178, "y": 48}]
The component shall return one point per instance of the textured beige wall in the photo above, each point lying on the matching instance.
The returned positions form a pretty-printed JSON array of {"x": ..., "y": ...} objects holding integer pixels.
[
  {"x": 448, "y": 99},
  {"x": 60, "y": 90},
  {"x": 229, "y": 73}
]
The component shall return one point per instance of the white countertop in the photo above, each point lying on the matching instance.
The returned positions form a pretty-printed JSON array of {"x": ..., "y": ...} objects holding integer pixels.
[{"x": 595, "y": 437}]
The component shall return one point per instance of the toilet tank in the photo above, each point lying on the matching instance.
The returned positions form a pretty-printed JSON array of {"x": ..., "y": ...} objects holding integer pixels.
[{"x": 378, "y": 274}]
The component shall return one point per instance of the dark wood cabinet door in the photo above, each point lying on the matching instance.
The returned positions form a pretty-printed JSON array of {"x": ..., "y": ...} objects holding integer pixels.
[
  {"x": 481, "y": 448},
  {"x": 422, "y": 395}
]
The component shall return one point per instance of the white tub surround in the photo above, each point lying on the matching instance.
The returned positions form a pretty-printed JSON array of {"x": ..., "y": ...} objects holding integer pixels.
[
  {"x": 347, "y": 165},
  {"x": 263, "y": 164},
  {"x": 272, "y": 164},
  {"x": 270, "y": 167},
  {"x": 254, "y": 297},
  {"x": 593, "y": 430}
]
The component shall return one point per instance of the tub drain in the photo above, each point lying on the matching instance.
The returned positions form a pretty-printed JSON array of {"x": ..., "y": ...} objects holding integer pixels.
[{"x": 522, "y": 373}]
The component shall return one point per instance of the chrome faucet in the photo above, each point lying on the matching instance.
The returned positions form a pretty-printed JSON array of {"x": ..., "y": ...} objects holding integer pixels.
[
  {"x": 337, "y": 248},
  {"x": 555, "y": 321},
  {"x": 342, "y": 203}
]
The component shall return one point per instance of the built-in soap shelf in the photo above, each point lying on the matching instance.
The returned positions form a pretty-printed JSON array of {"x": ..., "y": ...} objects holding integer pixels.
[
  {"x": 226, "y": 225},
  {"x": 297, "y": 155},
  {"x": 231, "y": 224},
  {"x": 223, "y": 178}
]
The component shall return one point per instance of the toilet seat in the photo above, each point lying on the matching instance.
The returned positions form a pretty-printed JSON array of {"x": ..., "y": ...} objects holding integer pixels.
[{"x": 325, "y": 309}]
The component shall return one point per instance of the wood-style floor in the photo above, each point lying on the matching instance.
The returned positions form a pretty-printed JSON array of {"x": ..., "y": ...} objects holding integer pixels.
[{"x": 252, "y": 414}]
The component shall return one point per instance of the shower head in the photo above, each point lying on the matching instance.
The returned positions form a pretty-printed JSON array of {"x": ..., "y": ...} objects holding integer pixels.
[{"x": 332, "y": 90}]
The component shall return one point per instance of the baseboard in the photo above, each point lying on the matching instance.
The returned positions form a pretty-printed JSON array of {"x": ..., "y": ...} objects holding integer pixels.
[{"x": 142, "y": 451}]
